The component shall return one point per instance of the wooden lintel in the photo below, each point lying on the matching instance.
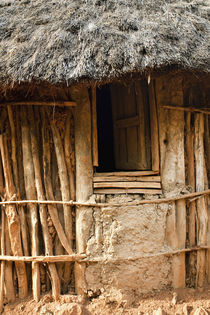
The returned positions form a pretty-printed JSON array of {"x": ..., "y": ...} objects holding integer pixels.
[
  {"x": 127, "y": 185},
  {"x": 42, "y": 103},
  {"x": 188, "y": 109},
  {"x": 116, "y": 191}
]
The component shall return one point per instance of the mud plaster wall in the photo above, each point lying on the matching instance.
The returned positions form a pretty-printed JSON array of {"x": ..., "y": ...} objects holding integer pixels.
[
  {"x": 134, "y": 231},
  {"x": 128, "y": 232}
]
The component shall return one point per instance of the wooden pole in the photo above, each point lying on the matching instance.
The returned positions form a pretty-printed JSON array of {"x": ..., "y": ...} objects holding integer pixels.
[
  {"x": 64, "y": 182},
  {"x": 84, "y": 176},
  {"x": 70, "y": 155},
  {"x": 16, "y": 180},
  {"x": 142, "y": 134},
  {"x": 171, "y": 127},
  {"x": 13, "y": 219},
  {"x": 207, "y": 155},
  {"x": 180, "y": 280},
  {"x": 94, "y": 127},
  {"x": 9, "y": 283},
  {"x": 31, "y": 194},
  {"x": 191, "y": 182},
  {"x": 154, "y": 128},
  {"x": 3, "y": 262},
  {"x": 42, "y": 208},
  {"x": 24, "y": 221},
  {"x": 53, "y": 211},
  {"x": 65, "y": 193},
  {"x": 59, "y": 250},
  {"x": 202, "y": 212}
]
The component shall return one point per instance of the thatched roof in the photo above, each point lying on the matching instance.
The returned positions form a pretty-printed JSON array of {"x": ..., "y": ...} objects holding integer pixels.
[{"x": 71, "y": 40}]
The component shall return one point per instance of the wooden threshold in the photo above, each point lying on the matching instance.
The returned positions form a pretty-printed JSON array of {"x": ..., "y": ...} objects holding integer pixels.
[
  {"x": 129, "y": 173},
  {"x": 42, "y": 103},
  {"x": 136, "y": 182},
  {"x": 152, "y": 178}
]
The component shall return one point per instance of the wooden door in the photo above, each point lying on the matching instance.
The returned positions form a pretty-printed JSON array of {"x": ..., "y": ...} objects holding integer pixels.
[{"x": 130, "y": 110}]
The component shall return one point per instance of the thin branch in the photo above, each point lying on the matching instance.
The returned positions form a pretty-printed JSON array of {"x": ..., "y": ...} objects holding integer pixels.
[
  {"x": 44, "y": 259},
  {"x": 119, "y": 259},
  {"x": 82, "y": 258},
  {"x": 102, "y": 205}
]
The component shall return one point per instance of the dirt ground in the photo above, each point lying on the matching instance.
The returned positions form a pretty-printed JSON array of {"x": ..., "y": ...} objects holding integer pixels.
[{"x": 185, "y": 302}]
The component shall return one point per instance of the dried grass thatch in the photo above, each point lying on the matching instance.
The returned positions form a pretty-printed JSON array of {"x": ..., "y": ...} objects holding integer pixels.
[{"x": 72, "y": 40}]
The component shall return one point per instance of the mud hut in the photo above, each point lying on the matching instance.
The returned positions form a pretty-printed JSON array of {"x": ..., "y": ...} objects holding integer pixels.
[{"x": 104, "y": 142}]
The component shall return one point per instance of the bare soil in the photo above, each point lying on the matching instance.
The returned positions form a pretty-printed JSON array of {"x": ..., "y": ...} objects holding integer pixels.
[{"x": 186, "y": 302}]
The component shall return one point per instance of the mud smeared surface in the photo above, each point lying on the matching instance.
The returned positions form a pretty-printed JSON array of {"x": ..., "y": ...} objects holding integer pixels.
[{"x": 128, "y": 232}]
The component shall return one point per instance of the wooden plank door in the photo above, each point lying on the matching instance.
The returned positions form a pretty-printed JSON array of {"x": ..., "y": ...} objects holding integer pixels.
[{"x": 131, "y": 127}]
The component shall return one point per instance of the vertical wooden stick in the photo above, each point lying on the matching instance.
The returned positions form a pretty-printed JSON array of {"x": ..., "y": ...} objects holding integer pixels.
[
  {"x": 207, "y": 155},
  {"x": 172, "y": 240},
  {"x": 9, "y": 284},
  {"x": 9, "y": 280},
  {"x": 94, "y": 128},
  {"x": 65, "y": 192},
  {"x": 31, "y": 194},
  {"x": 64, "y": 182},
  {"x": 16, "y": 180},
  {"x": 59, "y": 250},
  {"x": 171, "y": 133},
  {"x": 42, "y": 208},
  {"x": 181, "y": 237},
  {"x": 3, "y": 262},
  {"x": 84, "y": 174},
  {"x": 202, "y": 212},
  {"x": 70, "y": 158},
  {"x": 207, "y": 143},
  {"x": 191, "y": 182},
  {"x": 48, "y": 186},
  {"x": 13, "y": 219},
  {"x": 142, "y": 136},
  {"x": 154, "y": 127},
  {"x": 69, "y": 152}
]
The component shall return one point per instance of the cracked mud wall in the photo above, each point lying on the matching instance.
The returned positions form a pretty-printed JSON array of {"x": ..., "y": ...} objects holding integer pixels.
[{"x": 123, "y": 232}]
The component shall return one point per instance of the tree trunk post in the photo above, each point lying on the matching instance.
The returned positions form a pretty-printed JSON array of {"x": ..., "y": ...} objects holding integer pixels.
[{"x": 84, "y": 174}]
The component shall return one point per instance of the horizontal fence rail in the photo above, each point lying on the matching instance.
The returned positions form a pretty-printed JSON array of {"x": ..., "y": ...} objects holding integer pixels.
[
  {"x": 82, "y": 258},
  {"x": 194, "y": 195}
]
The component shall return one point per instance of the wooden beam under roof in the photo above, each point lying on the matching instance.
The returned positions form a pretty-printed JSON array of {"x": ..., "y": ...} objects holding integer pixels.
[{"x": 42, "y": 103}]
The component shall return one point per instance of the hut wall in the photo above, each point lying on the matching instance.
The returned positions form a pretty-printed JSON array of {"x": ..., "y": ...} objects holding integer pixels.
[
  {"x": 49, "y": 153},
  {"x": 123, "y": 233}
]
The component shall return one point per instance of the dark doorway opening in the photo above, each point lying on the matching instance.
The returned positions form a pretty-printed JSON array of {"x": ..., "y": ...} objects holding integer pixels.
[
  {"x": 123, "y": 119},
  {"x": 105, "y": 130}
]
